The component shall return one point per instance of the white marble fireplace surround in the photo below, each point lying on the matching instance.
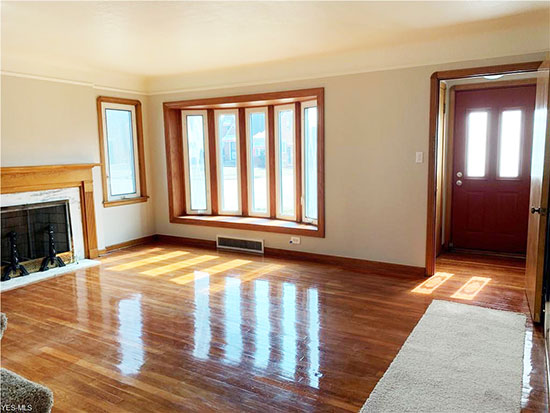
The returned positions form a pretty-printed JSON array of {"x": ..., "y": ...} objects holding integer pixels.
[{"x": 51, "y": 195}]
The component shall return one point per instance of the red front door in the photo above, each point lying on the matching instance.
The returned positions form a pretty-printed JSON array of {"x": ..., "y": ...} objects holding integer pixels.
[{"x": 491, "y": 168}]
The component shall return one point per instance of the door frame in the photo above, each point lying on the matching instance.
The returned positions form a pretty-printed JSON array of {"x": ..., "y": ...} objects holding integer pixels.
[
  {"x": 448, "y": 157},
  {"x": 435, "y": 81}
]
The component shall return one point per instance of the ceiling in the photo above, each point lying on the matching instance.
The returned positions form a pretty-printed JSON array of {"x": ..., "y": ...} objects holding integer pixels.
[{"x": 163, "y": 38}]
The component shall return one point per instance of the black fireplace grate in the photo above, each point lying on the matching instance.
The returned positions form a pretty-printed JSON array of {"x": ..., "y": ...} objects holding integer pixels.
[{"x": 31, "y": 223}]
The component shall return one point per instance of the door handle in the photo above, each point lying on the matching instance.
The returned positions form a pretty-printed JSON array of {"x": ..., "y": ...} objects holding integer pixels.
[{"x": 538, "y": 210}]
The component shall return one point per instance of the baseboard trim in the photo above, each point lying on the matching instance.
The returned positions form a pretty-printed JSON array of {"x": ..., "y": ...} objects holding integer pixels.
[
  {"x": 126, "y": 244},
  {"x": 191, "y": 242},
  {"x": 347, "y": 262},
  {"x": 356, "y": 264}
]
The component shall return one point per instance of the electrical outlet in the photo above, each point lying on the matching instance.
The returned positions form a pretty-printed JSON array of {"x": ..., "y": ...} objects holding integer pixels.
[
  {"x": 419, "y": 157},
  {"x": 294, "y": 240}
]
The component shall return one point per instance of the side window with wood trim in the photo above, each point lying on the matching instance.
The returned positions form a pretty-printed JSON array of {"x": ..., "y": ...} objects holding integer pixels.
[
  {"x": 228, "y": 162},
  {"x": 121, "y": 151},
  {"x": 285, "y": 153},
  {"x": 195, "y": 153},
  {"x": 309, "y": 162},
  {"x": 258, "y": 162},
  {"x": 250, "y": 162}
]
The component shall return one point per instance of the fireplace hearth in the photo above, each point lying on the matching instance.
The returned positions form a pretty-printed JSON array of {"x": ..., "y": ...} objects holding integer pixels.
[{"x": 35, "y": 237}]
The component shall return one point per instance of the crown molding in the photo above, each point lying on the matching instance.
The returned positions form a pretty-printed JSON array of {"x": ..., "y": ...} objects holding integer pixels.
[
  {"x": 530, "y": 56},
  {"x": 524, "y": 34},
  {"x": 533, "y": 55},
  {"x": 72, "y": 82}
]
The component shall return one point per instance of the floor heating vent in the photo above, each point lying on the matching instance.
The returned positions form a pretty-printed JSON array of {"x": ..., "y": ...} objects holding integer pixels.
[{"x": 240, "y": 244}]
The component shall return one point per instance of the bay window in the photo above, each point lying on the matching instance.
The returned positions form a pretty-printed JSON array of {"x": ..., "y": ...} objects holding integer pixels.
[{"x": 251, "y": 162}]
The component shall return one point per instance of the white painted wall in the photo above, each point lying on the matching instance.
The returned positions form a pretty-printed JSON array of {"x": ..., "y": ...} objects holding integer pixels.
[
  {"x": 45, "y": 123},
  {"x": 375, "y": 122},
  {"x": 375, "y": 192}
]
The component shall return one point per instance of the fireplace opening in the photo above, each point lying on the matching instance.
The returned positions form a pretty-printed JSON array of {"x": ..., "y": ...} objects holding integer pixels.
[{"x": 33, "y": 224}]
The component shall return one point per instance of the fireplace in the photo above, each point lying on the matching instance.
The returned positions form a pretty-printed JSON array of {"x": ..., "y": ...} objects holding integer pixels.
[
  {"x": 37, "y": 227},
  {"x": 47, "y": 205}
]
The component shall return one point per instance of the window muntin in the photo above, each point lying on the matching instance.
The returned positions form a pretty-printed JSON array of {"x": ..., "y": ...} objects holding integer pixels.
[
  {"x": 476, "y": 143},
  {"x": 285, "y": 151},
  {"x": 121, "y": 151},
  {"x": 509, "y": 157},
  {"x": 257, "y": 161},
  {"x": 309, "y": 160},
  {"x": 228, "y": 161},
  {"x": 196, "y": 164}
]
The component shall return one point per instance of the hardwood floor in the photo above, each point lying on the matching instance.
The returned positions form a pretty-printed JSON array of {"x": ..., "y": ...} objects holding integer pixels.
[{"x": 168, "y": 328}]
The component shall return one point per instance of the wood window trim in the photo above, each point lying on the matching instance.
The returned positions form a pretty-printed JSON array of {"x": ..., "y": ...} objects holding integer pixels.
[
  {"x": 278, "y": 162},
  {"x": 435, "y": 80},
  {"x": 240, "y": 164},
  {"x": 176, "y": 174},
  {"x": 243, "y": 159},
  {"x": 304, "y": 106},
  {"x": 249, "y": 223},
  {"x": 207, "y": 138},
  {"x": 140, "y": 148}
]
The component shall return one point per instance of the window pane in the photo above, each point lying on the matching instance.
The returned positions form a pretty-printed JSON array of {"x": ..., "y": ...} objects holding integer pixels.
[
  {"x": 227, "y": 146},
  {"x": 120, "y": 148},
  {"x": 510, "y": 144},
  {"x": 310, "y": 160},
  {"x": 197, "y": 167},
  {"x": 476, "y": 144},
  {"x": 258, "y": 167},
  {"x": 287, "y": 202}
]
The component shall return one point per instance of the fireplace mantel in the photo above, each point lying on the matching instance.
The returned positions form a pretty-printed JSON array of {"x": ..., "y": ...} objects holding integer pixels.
[{"x": 44, "y": 177}]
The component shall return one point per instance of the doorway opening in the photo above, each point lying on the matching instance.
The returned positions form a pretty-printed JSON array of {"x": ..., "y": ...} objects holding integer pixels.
[
  {"x": 489, "y": 167},
  {"x": 472, "y": 148}
]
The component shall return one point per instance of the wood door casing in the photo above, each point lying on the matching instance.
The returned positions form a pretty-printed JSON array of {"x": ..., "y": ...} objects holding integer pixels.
[
  {"x": 435, "y": 80},
  {"x": 440, "y": 169},
  {"x": 540, "y": 169},
  {"x": 489, "y": 212}
]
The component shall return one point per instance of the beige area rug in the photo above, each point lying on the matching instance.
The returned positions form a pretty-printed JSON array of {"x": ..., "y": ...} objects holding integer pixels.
[{"x": 459, "y": 358}]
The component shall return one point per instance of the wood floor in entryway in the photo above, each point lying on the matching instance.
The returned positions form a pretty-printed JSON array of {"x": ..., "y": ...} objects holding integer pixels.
[{"x": 168, "y": 328}]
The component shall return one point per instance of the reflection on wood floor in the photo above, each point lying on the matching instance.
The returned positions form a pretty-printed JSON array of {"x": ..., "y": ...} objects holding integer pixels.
[{"x": 161, "y": 327}]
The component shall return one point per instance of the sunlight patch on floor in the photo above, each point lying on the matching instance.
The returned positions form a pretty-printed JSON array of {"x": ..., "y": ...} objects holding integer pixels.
[
  {"x": 216, "y": 269},
  {"x": 432, "y": 283},
  {"x": 472, "y": 288},
  {"x": 247, "y": 276},
  {"x": 151, "y": 260},
  {"x": 165, "y": 269},
  {"x": 125, "y": 256}
]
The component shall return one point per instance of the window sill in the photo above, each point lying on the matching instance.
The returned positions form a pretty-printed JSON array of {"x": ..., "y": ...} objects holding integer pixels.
[
  {"x": 119, "y": 202},
  {"x": 251, "y": 223}
]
